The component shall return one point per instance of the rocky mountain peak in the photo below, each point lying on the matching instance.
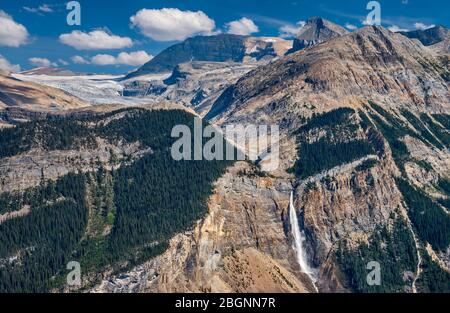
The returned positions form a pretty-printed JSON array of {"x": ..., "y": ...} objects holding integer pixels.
[
  {"x": 430, "y": 36},
  {"x": 371, "y": 63},
  {"x": 217, "y": 48},
  {"x": 315, "y": 31}
]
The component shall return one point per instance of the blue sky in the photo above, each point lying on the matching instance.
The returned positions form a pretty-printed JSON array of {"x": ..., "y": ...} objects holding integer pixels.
[{"x": 36, "y": 27}]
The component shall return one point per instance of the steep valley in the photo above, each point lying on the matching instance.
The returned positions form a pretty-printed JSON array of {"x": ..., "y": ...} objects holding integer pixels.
[
  {"x": 372, "y": 151},
  {"x": 364, "y": 121}
]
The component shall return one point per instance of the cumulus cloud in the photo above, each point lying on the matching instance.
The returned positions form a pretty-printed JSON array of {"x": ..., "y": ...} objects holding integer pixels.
[
  {"x": 95, "y": 40},
  {"x": 103, "y": 59},
  {"x": 396, "y": 29},
  {"x": 290, "y": 31},
  {"x": 43, "y": 8},
  {"x": 12, "y": 34},
  {"x": 79, "y": 60},
  {"x": 351, "y": 26},
  {"x": 41, "y": 62},
  {"x": 124, "y": 58},
  {"x": 243, "y": 27},
  {"x": 134, "y": 58},
  {"x": 6, "y": 66},
  {"x": 422, "y": 26},
  {"x": 170, "y": 24}
]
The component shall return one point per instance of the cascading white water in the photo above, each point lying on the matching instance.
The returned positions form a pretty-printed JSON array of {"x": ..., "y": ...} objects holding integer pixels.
[{"x": 299, "y": 240}]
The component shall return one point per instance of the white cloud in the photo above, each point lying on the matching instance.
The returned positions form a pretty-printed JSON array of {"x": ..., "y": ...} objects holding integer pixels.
[
  {"x": 124, "y": 58},
  {"x": 41, "y": 62},
  {"x": 244, "y": 27},
  {"x": 396, "y": 29},
  {"x": 423, "y": 26},
  {"x": 43, "y": 8},
  {"x": 290, "y": 31},
  {"x": 63, "y": 62},
  {"x": 95, "y": 40},
  {"x": 172, "y": 24},
  {"x": 79, "y": 60},
  {"x": 351, "y": 26},
  {"x": 103, "y": 59},
  {"x": 6, "y": 66},
  {"x": 12, "y": 34},
  {"x": 133, "y": 58}
]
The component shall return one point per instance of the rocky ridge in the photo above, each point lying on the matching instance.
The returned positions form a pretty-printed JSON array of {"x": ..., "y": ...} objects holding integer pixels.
[
  {"x": 217, "y": 48},
  {"x": 316, "y": 30}
]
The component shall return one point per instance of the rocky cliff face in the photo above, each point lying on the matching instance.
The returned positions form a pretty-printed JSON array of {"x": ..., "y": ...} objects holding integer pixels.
[
  {"x": 242, "y": 245},
  {"x": 316, "y": 30},
  {"x": 29, "y": 169},
  {"x": 437, "y": 38},
  {"x": 345, "y": 205},
  {"x": 194, "y": 84},
  {"x": 219, "y": 48},
  {"x": 429, "y": 37},
  {"x": 371, "y": 63}
]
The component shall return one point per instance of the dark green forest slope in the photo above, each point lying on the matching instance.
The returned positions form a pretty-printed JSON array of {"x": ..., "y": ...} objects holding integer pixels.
[{"x": 117, "y": 217}]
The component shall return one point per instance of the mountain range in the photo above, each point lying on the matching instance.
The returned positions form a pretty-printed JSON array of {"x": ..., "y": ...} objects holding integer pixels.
[
  {"x": 430, "y": 36},
  {"x": 364, "y": 121},
  {"x": 218, "y": 48}
]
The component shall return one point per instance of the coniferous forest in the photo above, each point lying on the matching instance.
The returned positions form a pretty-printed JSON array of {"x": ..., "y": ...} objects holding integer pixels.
[
  {"x": 143, "y": 203},
  {"x": 333, "y": 148}
]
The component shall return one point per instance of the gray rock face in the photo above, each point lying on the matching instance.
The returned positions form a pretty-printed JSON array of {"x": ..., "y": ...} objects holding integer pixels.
[
  {"x": 219, "y": 48},
  {"x": 316, "y": 31},
  {"x": 372, "y": 63},
  {"x": 240, "y": 246},
  {"x": 28, "y": 169},
  {"x": 212, "y": 48},
  {"x": 429, "y": 36},
  {"x": 194, "y": 84}
]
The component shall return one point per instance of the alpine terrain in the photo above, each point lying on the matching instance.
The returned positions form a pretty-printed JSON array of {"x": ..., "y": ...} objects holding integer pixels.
[{"x": 87, "y": 172}]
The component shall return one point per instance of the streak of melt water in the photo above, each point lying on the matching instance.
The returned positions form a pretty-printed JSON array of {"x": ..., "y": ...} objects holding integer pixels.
[{"x": 299, "y": 241}]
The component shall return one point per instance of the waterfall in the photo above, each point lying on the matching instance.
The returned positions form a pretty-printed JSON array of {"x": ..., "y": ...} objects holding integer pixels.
[{"x": 299, "y": 241}]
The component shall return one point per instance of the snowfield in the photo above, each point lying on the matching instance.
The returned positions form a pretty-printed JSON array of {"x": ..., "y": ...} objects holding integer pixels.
[{"x": 95, "y": 89}]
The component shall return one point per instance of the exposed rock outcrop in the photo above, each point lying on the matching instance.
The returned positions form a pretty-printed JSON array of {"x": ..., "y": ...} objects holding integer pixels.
[
  {"x": 217, "y": 48},
  {"x": 430, "y": 36},
  {"x": 316, "y": 31},
  {"x": 194, "y": 84},
  {"x": 371, "y": 63},
  {"x": 242, "y": 245},
  {"x": 30, "y": 168}
]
